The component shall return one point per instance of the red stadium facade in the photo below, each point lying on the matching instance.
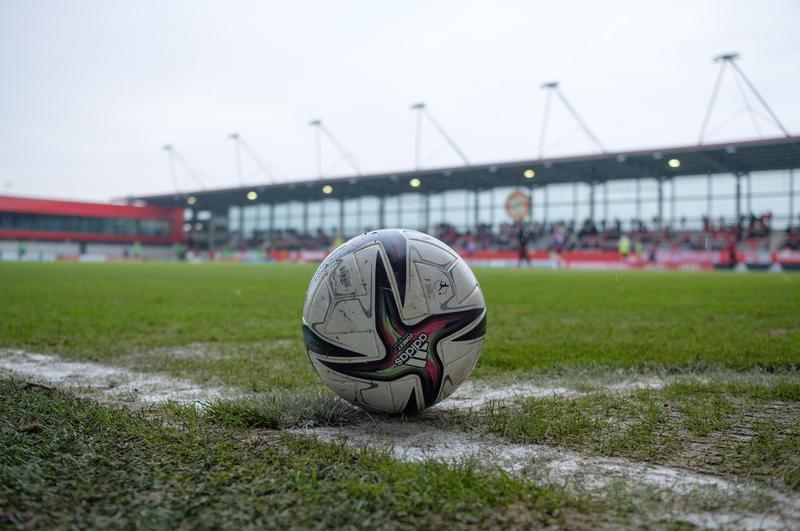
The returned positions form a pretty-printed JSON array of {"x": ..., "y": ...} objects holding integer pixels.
[{"x": 28, "y": 219}]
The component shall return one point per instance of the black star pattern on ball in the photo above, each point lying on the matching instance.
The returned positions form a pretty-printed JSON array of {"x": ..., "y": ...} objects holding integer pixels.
[{"x": 410, "y": 349}]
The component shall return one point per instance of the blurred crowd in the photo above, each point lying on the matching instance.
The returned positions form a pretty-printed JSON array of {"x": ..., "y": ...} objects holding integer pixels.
[
  {"x": 754, "y": 230},
  {"x": 569, "y": 236}
]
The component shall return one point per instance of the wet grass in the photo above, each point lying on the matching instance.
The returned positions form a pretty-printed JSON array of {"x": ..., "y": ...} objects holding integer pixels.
[
  {"x": 281, "y": 409},
  {"x": 245, "y": 320},
  {"x": 702, "y": 427},
  {"x": 72, "y": 463}
]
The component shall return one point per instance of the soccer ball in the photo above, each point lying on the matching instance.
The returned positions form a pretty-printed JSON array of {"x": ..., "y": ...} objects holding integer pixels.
[{"x": 394, "y": 321}]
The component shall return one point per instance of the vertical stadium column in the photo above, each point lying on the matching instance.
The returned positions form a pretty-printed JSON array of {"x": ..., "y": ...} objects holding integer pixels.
[
  {"x": 672, "y": 210},
  {"x": 271, "y": 217},
  {"x": 381, "y": 212},
  {"x": 591, "y": 200},
  {"x": 638, "y": 199},
  {"x": 709, "y": 196},
  {"x": 398, "y": 211},
  {"x": 545, "y": 202},
  {"x": 241, "y": 225},
  {"x": 443, "y": 195},
  {"x": 530, "y": 194},
  {"x": 426, "y": 212},
  {"x": 791, "y": 198},
  {"x": 466, "y": 210},
  {"x": 477, "y": 209},
  {"x": 575, "y": 202},
  {"x": 660, "y": 203},
  {"x": 739, "y": 205},
  {"x": 491, "y": 208},
  {"x": 749, "y": 194},
  {"x": 341, "y": 217},
  {"x": 212, "y": 232},
  {"x": 305, "y": 217},
  {"x": 359, "y": 228},
  {"x": 605, "y": 202}
]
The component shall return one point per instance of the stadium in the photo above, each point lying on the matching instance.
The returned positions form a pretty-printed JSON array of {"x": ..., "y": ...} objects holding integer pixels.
[{"x": 575, "y": 338}]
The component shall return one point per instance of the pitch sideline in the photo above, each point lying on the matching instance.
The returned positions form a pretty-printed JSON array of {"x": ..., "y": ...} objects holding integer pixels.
[{"x": 415, "y": 441}]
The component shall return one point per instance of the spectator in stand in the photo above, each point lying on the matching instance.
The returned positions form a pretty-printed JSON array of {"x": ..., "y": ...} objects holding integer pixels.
[
  {"x": 624, "y": 246},
  {"x": 563, "y": 236},
  {"x": 652, "y": 254},
  {"x": 522, "y": 242},
  {"x": 730, "y": 251},
  {"x": 337, "y": 240},
  {"x": 558, "y": 240}
]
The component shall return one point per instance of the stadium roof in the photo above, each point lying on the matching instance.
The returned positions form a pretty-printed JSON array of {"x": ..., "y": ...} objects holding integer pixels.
[{"x": 738, "y": 157}]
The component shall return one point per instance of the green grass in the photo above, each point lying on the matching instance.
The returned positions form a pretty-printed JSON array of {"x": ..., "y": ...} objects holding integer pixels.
[
  {"x": 244, "y": 321},
  {"x": 736, "y": 431},
  {"x": 282, "y": 409},
  {"x": 69, "y": 462},
  {"x": 641, "y": 319},
  {"x": 72, "y": 463}
]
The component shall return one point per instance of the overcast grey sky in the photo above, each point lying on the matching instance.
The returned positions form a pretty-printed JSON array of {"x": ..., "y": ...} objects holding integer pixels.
[{"x": 90, "y": 91}]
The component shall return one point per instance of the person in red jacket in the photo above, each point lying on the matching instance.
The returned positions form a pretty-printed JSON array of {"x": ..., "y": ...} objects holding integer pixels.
[{"x": 730, "y": 252}]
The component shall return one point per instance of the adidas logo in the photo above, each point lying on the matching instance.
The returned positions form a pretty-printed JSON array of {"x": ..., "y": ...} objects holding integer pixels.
[{"x": 415, "y": 354}]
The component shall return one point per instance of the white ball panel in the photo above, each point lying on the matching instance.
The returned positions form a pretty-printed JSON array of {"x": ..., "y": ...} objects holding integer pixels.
[
  {"x": 465, "y": 285},
  {"x": 346, "y": 278},
  {"x": 320, "y": 301},
  {"x": 451, "y": 351},
  {"x": 416, "y": 306},
  {"x": 428, "y": 252},
  {"x": 365, "y": 343},
  {"x": 344, "y": 386},
  {"x": 436, "y": 287},
  {"x": 456, "y": 372},
  {"x": 392, "y": 397}
]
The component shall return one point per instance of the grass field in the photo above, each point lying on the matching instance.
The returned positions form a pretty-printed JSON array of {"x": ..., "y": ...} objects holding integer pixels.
[{"x": 725, "y": 346}]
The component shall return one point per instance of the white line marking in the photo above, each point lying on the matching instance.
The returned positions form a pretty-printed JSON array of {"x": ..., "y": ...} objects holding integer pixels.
[
  {"x": 472, "y": 395},
  {"x": 114, "y": 382},
  {"x": 418, "y": 441}
]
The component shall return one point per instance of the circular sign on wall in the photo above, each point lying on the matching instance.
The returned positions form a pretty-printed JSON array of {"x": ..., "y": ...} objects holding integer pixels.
[{"x": 518, "y": 205}]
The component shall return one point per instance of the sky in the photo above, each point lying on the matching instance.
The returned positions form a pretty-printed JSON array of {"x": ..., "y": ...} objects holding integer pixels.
[{"x": 90, "y": 91}]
